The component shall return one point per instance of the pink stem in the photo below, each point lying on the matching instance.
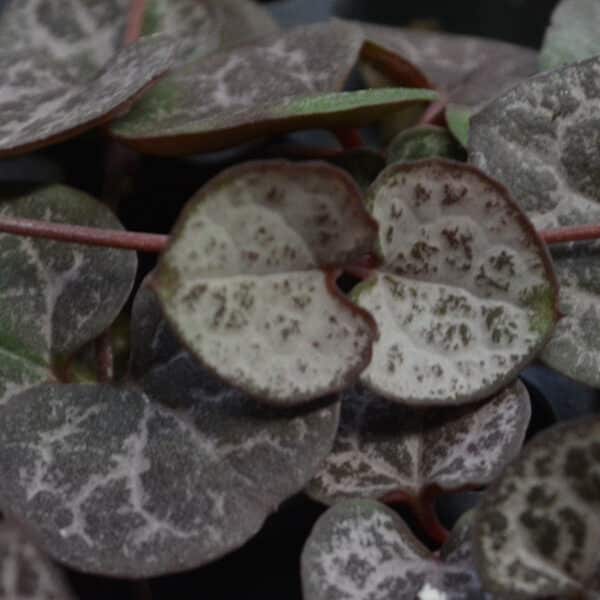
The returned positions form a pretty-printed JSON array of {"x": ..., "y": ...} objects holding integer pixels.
[
  {"x": 90, "y": 236},
  {"x": 570, "y": 234},
  {"x": 135, "y": 20}
]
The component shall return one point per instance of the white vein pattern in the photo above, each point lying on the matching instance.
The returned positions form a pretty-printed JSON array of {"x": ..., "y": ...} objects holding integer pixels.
[
  {"x": 361, "y": 550},
  {"x": 382, "y": 447}
]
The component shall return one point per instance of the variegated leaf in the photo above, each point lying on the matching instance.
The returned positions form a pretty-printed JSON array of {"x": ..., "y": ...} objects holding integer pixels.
[
  {"x": 572, "y": 35},
  {"x": 541, "y": 139},
  {"x": 25, "y": 573},
  {"x": 470, "y": 70},
  {"x": 42, "y": 104},
  {"x": 423, "y": 141},
  {"x": 243, "y": 281},
  {"x": 205, "y": 26},
  {"x": 282, "y": 83},
  {"x": 382, "y": 448},
  {"x": 466, "y": 296},
  {"x": 55, "y": 297},
  {"x": 537, "y": 528},
  {"x": 163, "y": 475},
  {"x": 361, "y": 550}
]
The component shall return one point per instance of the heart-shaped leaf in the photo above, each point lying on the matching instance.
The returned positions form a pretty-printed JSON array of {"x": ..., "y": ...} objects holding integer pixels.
[
  {"x": 55, "y": 297},
  {"x": 361, "y": 550},
  {"x": 572, "y": 35},
  {"x": 279, "y": 84},
  {"x": 382, "y": 448},
  {"x": 163, "y": 475},
  {"x": 26, "y": 573},
  {"x": 423, "y": 141},
  {"x": 466, "y": 296},
  {"x": 537, "y": 528},
  {"x": 243, "y": 282},
  {"x": 541, "y": 139},
  {"x": 42, "y": 104},
  {"x": 470, "y": 70}
]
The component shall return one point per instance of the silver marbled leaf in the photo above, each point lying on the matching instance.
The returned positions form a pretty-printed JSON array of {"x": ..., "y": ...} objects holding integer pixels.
[
  {"x": 42, "y": 104},
  {"x": 423, "y": 141},
  {"x": 541, "y": 139},
  {"x": 278, "y": 84},
  {"x": 470, "y": 70},
  {"x": 466, "y": 296},
  {"x": 55, "y": 297},
  {"x": 382, "y": 448},
  {"x": 167, "y": 473},
  {"x": 25, "y": 573},
  {"x": 248, "y": 279},
  {"x": 362, "y": 550},
  {"x": 537, "y": 528},
  {"x": 572, "y": 35}
]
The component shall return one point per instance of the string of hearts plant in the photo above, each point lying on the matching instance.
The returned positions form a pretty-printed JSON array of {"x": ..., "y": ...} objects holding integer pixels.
[{"x": 344, "y": 323}]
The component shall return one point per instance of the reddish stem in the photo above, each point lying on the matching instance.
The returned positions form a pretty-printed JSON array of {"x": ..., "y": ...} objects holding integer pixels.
[
  {"x": 423, "y": 508},
  {"x": 104, "y": 357},
  {"x": 435, "y": 114},
  {"x": 135, "y": 20},
  {"x": 570, "y": 234},
  {"x": 90, "y": 236},
  {"x": 350, "y": 139}
]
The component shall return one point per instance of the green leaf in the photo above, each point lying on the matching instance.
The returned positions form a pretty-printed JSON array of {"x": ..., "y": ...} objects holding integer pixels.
[
  {"x": 169, "y": 472},
  {"x": 26, "y": 573},
  {"x": 536, "y": 530},
  {"x": 382, "y": 448},
  {"x": 572, "y": 35},
  {"x": 55, "y": 297},
  {"x": 466, "y": 296},
  {"x": 423, "y": 141},
  {"x": 458, "y": 119},
  {"x": 248, "y": 279},
  {"x": 42, "y": 104},
  {"x": 360, "y": 549},
  {"x": 282, "y": 83},
  {"x": 469, "y": 70}
]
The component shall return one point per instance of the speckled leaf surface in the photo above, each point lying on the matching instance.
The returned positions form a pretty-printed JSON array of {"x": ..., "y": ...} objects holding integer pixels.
[
  {"x": 423, "y": 141},
  {"x": 280, "y": 83},
  {"x": 470, "y": 70},
  {"x": 25, "y": 573},
  {"x": 572, "y": 35},
  {"x": 362, "y": 550},
  {"x": 41, "y": 104},
  {"x": 244, "y": 279},
  {"x": 537, "y": 528},
  {"x": 164, "y": 475},
  {"x": 55, "y": 297},
  {"x": 541, "y": 139},
  {"x": 80, "y": 35},
  {"x": 466, "y": 296},
  {"x": 382, "y": 448},
  {"x": 205, "y": 26},
  {"x": 574, "y": 349}
]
